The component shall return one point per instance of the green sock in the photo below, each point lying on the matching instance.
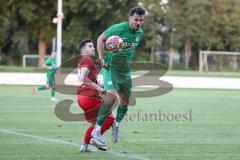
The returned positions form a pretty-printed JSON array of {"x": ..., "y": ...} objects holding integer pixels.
[
  {"x": 103, "y": 112},
  {"x": 53, "y": 92},
  {"x": 121, "y": 111},
  {"x": 40, "y": 88}
]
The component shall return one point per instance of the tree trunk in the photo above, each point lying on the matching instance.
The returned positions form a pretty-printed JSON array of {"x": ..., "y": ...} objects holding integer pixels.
[
  {"x": 187, "y": 51},
  {"x": 220, "y": 62},
  {"x": 42, "y": 48},
  {"x": 171, "y": 50},
  {"x": 170, "y": 55},
  {"x": 234, "y": 64},
  {"x": 152, "y": 53},
  {"x": 0, "y": 53}
]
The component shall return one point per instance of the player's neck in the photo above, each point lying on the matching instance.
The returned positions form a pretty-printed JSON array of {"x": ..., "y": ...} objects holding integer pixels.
[
  {"x": 132, "y": 29},
  {"x": 87, "y": 56}
]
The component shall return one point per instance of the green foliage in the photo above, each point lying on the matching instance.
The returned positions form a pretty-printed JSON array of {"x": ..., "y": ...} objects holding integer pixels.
[
  {"x": 23, "y": 22},
  {"x": 88, "y": 19},
  {"x": 5, "y": 21},
  {"x": 210, "y": 24}
]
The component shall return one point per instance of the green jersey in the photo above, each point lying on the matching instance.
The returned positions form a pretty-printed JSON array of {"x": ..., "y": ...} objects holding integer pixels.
[
  {"x": 119, "y": 62},
  {"x": 51, "y": 62}
]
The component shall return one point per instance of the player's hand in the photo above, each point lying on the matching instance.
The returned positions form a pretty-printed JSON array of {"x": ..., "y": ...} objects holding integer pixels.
[
  {"x": 103, "y": 63},
  {"x": 110, "y": 93},
  {"x": 102, "y": 91},
  {"x": 80, "y": 83}
]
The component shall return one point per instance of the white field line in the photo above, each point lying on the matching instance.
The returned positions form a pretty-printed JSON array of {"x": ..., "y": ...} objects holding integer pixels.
[
  {"x": 176, "y": 81},
  {"x": 69, "y": 143}
]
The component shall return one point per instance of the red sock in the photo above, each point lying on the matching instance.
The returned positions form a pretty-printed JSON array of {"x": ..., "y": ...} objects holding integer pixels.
[
  {"x": 87, "y": 137},
  {"x": 106, "y": 124}
]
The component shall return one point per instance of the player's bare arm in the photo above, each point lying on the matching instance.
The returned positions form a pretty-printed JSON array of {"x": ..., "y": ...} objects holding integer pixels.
[{"x": 100, "y": 42}]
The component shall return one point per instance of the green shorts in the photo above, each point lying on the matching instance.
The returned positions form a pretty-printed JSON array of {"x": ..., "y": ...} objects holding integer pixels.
[
  {"x": 51, "y": 80},
  {"x": 112, "y": 81}
]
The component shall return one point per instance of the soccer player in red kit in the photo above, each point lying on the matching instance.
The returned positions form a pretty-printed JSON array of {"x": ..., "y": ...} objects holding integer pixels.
[{"x": 88, "y": 93}]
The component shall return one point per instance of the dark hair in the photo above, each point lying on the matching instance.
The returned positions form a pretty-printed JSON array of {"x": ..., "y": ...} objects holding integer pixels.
[
  {"x": 138, "y": 10},
  {"x": 82, "y": 43}
]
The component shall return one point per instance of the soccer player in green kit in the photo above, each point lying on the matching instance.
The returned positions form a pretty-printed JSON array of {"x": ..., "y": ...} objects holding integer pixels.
[
  {"x": 117, "y": 74},
  {"x": 50, "y": 64}
]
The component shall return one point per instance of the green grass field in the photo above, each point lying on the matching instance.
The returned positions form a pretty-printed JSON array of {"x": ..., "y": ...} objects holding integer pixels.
[{"x": 29, "y": 128}]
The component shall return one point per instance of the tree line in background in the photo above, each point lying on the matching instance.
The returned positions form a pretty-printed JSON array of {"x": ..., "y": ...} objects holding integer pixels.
[{"x": 182, "y": 26}]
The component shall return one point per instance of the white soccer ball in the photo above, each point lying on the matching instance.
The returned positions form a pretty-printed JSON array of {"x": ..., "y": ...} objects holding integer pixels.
[{"x": 114, "y": 43}]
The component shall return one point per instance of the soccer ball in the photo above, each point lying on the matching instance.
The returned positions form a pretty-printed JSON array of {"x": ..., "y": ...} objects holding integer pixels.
[{"x": 114, "y": 43}]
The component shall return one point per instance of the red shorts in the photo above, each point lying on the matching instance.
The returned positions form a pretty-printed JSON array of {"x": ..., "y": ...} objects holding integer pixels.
[{"x": 90, "y": 106}]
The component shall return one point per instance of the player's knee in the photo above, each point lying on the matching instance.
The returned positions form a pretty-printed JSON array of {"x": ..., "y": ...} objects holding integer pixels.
[
  {"x": 93, "y": 124},
  {"x": 111, "y": 97},
  {"x": 124, "y": 99},
  {"x": 124, "y": 102}
]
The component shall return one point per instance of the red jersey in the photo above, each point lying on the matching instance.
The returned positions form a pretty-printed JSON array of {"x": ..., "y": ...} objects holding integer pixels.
[{"x": 92, "y": 75}]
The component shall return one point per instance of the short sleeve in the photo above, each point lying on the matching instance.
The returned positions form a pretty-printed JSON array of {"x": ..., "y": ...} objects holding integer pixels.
[
  {"x": 48, "y": 61},
  {"x": 113, "y": 30}
]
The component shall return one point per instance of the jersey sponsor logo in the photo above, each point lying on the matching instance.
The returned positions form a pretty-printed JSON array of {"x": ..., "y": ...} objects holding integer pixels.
[{"x": 132, "y": 45}]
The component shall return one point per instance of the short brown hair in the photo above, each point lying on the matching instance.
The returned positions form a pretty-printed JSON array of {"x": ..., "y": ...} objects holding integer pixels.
[
  {"x": 138, "y": 10},
  {"x": 83, "y": 42}
]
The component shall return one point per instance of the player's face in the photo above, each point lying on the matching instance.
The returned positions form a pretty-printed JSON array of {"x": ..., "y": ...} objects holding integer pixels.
[
  {"x": 88, "y": 49},
  {"x": 135, "y": 21}
]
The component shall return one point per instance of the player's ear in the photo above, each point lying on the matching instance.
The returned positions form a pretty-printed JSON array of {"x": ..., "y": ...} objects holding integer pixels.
[
  {"x": 83, "y": 50},
  {"x": 129, "y": 17}
]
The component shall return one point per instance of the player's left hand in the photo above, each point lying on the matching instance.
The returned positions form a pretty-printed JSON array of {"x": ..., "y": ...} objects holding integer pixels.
[
  {"x": 103, "y": 63},
  {"x": 103, "y": 91},
  {"x": 81, "y": 83}
]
